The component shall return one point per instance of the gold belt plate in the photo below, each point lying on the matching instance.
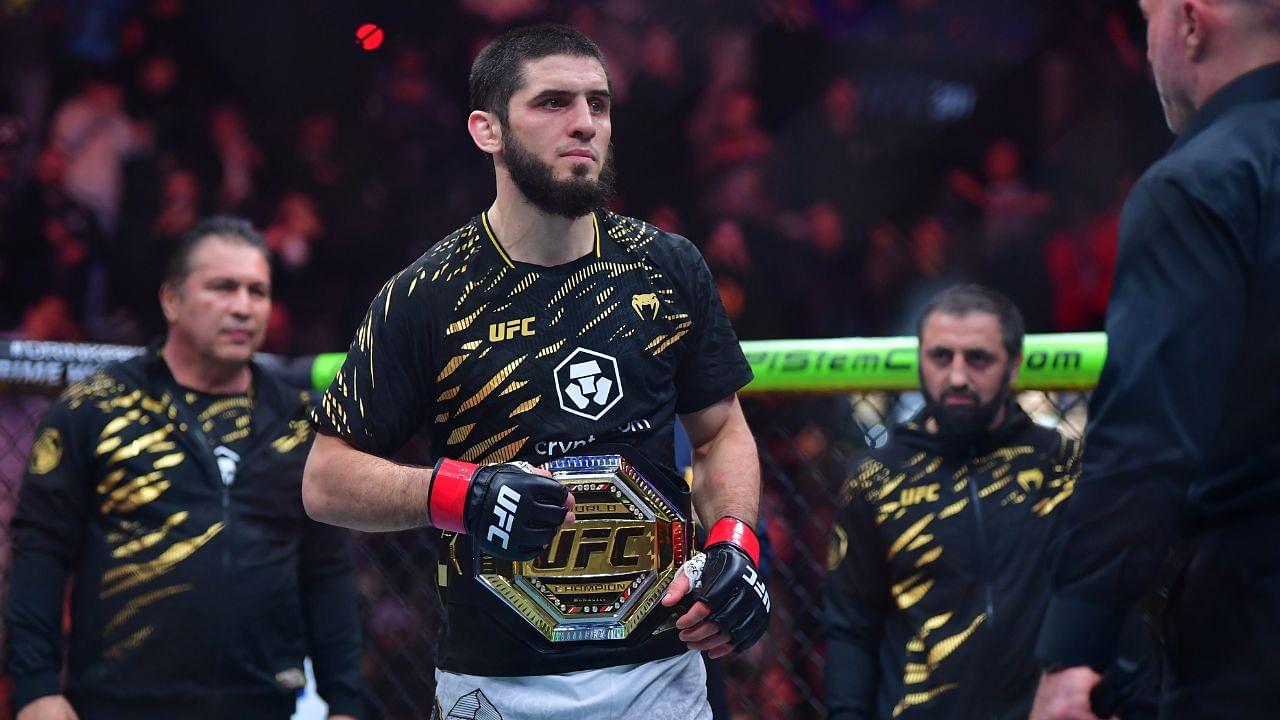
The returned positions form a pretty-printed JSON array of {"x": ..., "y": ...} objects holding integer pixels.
[{"x": 605, "y": 572}]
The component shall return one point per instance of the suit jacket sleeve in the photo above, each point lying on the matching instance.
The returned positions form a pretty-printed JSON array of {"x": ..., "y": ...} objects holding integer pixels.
[{"x": 1174, "y": 329}]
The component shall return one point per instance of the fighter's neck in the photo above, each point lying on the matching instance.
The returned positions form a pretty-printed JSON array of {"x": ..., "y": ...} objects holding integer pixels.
[
  {"x": 532, "y": 236},
  {"x": 190, "y": 370}
]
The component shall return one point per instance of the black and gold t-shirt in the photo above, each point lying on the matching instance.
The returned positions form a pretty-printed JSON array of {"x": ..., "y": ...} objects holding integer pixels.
[{"x": 498, "y": 360}]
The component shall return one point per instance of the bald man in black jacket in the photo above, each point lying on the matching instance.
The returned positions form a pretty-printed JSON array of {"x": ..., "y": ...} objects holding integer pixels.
[{"x": 1183, "y": 446}]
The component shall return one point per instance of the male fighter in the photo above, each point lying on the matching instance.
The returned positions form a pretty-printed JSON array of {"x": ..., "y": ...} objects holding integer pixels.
[{"x": 545, "y": 327}]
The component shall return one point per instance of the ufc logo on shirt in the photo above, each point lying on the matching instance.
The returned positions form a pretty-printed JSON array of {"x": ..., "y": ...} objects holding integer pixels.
[
  {"x": 505, "y": 511},
  {"x": 758, "y": 585}
]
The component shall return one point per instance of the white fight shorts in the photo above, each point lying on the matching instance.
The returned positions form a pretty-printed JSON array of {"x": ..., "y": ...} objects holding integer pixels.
[{"x": 671, "y": 689}]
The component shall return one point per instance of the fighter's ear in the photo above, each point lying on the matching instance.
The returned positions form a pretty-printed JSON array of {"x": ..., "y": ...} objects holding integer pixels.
[{"x": 486, "y": 131}]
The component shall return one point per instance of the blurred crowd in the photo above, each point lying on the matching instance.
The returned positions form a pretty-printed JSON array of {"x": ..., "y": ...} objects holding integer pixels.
[{"x": 836, "y": 160}]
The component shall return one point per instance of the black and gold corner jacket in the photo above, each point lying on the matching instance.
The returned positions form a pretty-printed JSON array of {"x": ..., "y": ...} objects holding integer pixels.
[
  {"x": 190, "y": 597},
  {"x": 937, "y": 578}
]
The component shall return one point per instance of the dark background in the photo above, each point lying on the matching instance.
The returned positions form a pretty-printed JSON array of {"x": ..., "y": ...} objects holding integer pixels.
[{"x": 836, "y": 160}]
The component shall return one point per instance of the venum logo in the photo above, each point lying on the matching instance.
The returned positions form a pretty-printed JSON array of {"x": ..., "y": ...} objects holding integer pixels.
[
  {"x": 587, "y": 383},
  {"x": 649, "y": 301}
]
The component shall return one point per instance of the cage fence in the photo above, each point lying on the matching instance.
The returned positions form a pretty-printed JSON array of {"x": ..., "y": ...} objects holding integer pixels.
[{"x": 806, "y": 443}]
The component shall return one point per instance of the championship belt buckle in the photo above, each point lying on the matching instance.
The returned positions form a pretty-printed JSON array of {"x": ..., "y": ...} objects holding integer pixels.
[{"x": 605, "y": 572}]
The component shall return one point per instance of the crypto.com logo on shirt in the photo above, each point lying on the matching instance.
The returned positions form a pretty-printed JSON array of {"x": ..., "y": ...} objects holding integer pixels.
[{"x": 587, "y": 383}]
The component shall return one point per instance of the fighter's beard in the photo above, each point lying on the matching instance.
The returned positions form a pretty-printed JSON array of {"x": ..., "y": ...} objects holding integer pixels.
[
  {"x": 965, "y": 423},
  {"x": 571, "y": 198}
]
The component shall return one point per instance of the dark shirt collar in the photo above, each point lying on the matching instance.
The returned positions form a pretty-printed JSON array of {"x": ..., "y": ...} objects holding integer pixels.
[{"x": 1256, "y": 85}]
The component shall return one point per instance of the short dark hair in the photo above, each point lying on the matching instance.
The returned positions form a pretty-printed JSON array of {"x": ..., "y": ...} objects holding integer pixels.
[
  {"x": 498, "y": 71},
  {"x": 965, "y": 299},
  {"x": 225, "y": 227}
]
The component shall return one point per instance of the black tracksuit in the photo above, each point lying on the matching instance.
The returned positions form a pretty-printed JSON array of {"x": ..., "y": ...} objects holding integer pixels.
[
  {"x": 938, "y": 579},
  {"x": 191, "y": 598}
]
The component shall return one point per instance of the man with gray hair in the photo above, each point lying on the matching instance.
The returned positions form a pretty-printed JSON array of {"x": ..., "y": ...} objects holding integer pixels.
[
  {"x": 544, "y": 330},
  {"x": 167, "y": 489},
  {"x": 1182, "y": 450}
]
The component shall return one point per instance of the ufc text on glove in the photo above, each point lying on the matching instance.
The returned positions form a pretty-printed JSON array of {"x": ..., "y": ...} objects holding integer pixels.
[
  {"x": 730, "y": 584},
  {"x": 510, "y": 510}
]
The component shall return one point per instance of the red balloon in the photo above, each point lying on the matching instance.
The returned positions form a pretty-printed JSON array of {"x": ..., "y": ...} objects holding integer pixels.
[{"x": 369, "y": 36}]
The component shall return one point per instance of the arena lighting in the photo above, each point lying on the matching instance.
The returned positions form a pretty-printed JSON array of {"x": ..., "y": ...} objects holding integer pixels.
[{"x": 369, "y": 37}]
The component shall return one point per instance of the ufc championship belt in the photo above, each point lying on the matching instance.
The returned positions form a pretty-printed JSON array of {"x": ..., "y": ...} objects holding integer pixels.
[{"x": 604, "y": 574}]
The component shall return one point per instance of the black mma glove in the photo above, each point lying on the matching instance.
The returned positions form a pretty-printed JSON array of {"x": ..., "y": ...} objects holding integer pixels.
[
  {"x": 510, "y": 511},
  {"x": 731, "y": 586}
]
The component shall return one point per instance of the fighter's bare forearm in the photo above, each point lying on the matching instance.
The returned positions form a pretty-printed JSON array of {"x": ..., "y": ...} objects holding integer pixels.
[
  {"x": 725, "y": 466},
  {"x": 344, "y": 486},
  {"x": 732, "y": 611}
]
